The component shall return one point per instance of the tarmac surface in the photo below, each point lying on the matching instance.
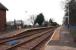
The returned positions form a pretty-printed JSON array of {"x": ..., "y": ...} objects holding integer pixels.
[{"x": 60, "y": 40}]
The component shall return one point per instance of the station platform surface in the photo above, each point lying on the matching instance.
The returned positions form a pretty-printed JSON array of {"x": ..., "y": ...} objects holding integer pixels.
[{"x": 60, "y": 40}]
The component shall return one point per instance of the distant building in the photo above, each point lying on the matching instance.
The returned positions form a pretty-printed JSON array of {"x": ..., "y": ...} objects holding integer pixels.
[
  {"x": 2, "y": 17},
  {"x": 15, "y": 24}
]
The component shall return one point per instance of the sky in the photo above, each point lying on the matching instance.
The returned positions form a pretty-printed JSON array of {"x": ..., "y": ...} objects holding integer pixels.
[{"x": 23, "y": 9}]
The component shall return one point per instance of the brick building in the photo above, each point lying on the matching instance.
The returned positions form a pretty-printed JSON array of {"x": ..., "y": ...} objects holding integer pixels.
[{"x": 3, "y": 10}]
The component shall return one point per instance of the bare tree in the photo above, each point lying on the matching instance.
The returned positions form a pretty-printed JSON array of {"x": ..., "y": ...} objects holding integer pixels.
[{"x": 32, "y": 19}]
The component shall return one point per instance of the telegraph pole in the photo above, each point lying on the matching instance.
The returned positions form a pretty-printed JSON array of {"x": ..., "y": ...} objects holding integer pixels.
[{"x": 68, "y": 17}]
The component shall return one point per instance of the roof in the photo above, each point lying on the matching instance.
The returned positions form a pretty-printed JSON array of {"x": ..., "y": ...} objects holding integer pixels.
[{"x": 3, "y": 7}]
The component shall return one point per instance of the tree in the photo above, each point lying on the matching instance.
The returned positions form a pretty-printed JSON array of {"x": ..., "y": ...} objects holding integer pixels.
[
  {"x": 50, "y": 21},
  {"x": 53, "y": 23},
  {"x": 22, "y": 23},
  {"x": 40, "y": 19},
  {"x": 70, "y": 5},
  {"x": 70, "y": 8},
  {"x": 32, "y": 19},
  {"x": 46, "y": 23},
  {"x": 15, "y": 26}
]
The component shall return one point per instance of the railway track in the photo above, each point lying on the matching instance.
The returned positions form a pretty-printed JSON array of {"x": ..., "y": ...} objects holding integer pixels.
[
  {"x": 21, "y": 35},
  {"x": 26, "y": 40}
]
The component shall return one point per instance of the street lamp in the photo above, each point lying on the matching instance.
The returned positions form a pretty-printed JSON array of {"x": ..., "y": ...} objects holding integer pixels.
[{"x": 68, "y": 17}]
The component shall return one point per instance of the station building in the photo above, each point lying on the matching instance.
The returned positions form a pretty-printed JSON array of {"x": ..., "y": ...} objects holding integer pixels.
[{"x": 3, "y": 10}]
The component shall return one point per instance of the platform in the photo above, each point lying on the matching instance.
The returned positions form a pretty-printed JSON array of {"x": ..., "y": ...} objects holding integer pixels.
[{"x": 60, "y": 40}]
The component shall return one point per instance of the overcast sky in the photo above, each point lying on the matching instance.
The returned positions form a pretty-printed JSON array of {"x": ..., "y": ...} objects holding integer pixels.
[{"x": 23, "y": 9}]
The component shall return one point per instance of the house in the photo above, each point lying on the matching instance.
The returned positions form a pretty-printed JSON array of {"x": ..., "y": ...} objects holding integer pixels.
[
  {"x": 15, "y": 24},
  {"x": 3, "y": 10}
]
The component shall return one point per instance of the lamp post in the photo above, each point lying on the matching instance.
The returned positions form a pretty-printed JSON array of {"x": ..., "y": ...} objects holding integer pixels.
[{"x": 68, "y": 17}]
